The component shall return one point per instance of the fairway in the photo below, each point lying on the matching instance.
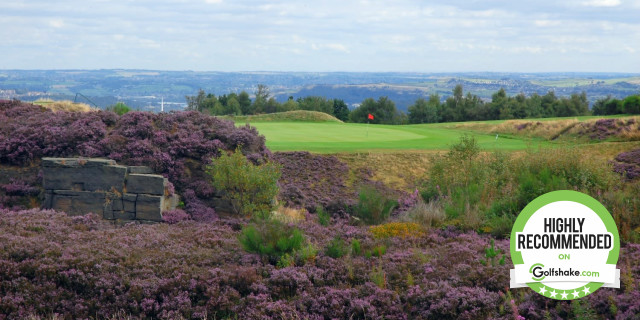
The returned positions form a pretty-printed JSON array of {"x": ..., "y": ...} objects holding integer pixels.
[{"x": 332, "y": 137}]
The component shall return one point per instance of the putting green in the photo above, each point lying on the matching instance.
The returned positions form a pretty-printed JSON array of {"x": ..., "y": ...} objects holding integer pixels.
[{"x": 331, "y": 137}]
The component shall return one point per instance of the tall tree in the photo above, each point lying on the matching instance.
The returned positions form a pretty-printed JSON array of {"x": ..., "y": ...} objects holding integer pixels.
[
  {"x": 262, "y": 97},
  {"x": 196, "y": 103},
  {"x": 245, "y": 103},
  {"x": 423, "y": 111},
  {"x": 340, "y": 109}
]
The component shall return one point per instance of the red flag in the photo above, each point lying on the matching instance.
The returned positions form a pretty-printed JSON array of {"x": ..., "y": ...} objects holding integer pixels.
[{"x": 370, "y": 116}]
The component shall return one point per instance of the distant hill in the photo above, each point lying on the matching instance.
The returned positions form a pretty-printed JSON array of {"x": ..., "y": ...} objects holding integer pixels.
[
  {"x": 147, "y": 89},
  {"x": 289, "y": 116}
]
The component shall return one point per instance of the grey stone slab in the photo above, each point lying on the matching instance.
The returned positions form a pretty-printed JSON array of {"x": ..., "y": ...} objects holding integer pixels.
[
  {"x": 129, "y": 202},
  {"x": 48, "y": 198},
  {"x": 146, "y": 183},
  {"x": 103, "y": 178},
  {"x": 124, "y": 215},
  {"x": 76, "y": 162},
  {"x": 149, "y": 207},
  {"x": 78, "y": 202},
  {"x": 139, "y": 170}
]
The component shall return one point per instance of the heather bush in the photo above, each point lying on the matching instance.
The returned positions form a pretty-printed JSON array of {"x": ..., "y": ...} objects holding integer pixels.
[
  {"x": 373, "y": 207},
  {"x": 250, "y": 188},
  {"x": 177, "y": 145},
  {"x": 84, "y": 267},
  {"x": 175, "y": 216},
  {"x": 311, "y": 181},
  {"x": 271, "y": 239}
]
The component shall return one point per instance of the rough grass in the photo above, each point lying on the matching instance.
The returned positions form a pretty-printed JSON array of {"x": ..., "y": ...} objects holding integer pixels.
[
  {"x": 297, "y": 115},
  {"x": 396, "y": 170},
  {"x": 64, "y": 105},
  {"x": 582, "y": 129}
]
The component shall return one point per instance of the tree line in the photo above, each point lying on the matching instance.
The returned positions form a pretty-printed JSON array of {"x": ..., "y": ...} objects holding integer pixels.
[{"x": 458, "y": 107}]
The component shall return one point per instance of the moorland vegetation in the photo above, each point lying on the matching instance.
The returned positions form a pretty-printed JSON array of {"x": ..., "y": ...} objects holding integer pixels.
[{"x": 334, "y": 242}]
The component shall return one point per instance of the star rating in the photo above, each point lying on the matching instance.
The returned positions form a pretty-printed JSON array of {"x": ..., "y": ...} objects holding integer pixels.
[
  {"x": 563, "y": 294},
  {"x": 542, "y": 290}
]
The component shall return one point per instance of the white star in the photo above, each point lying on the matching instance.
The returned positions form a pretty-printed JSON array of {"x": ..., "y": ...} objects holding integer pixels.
[
  {"x": 542, "y": 290},
  {"x": 564, "y": 295},
  {"x": 553, "y": 294},
  {"x": 576, "y": 293},
  {"x": 586, "y": 290}
]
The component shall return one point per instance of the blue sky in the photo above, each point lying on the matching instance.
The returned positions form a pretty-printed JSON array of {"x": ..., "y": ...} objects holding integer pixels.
[{"x": 225, "y": 35}]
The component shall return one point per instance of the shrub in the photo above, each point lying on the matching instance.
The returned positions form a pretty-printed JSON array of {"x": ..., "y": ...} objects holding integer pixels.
[
  {"x": 323, "y": 216},
  {"x": 427, "y": 215},
  {"x": 175, "y": 216},
  {"x": 336, "y": 248},
  {"x": 396, "y": 229},
  {"x": 119, "y": 108},
  {"x": 272, "y": 239},
  {"x": 486, "y": 192},
  {"x": 250, "y": 188},
  {"x": 373, "y": 207},
  {"x": 355, "y": 247},
  {"x": 377, "y": 251}
]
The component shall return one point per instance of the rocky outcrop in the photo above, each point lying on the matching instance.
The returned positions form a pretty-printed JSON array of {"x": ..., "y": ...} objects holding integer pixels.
[{"x": 79, "y": 186}]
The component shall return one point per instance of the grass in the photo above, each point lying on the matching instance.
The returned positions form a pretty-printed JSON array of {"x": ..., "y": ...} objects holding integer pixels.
[
  {"x": 64, "y": 105},
  {"x": 334, "y": 137},
  {"x": 297, "y": 115}
]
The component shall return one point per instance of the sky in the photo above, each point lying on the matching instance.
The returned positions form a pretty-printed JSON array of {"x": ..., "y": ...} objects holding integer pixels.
[{"x": 287, "y": 35}]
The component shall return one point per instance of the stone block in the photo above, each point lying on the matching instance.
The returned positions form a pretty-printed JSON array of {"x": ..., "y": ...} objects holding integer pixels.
[
  {"x": 79, "y": 202},
  {"x": 149, "y": 207},
  {"x": 129, "y": 202},
  {"x": 146, "y": 183},
  {"x": 124, "y": 215},
  {"x": 48, "y": 198},
  {"x": 96, "y": 178},
  {"x": 140, "y": 170}
]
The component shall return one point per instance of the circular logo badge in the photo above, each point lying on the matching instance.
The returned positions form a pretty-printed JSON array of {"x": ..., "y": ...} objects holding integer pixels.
[{"x": 564, "y": 246}]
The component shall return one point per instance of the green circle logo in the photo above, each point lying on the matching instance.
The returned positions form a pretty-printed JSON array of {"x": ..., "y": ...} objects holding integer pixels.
[{"x": 564, "y": 246}]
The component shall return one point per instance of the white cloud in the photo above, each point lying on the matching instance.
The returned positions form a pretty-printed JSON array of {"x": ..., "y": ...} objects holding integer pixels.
[
  {"x": 310, "y": 35},
  {"x": 56, "y": 23},
  {"x": 602, "y": 3},
  {"x": 547, "y": 23}
]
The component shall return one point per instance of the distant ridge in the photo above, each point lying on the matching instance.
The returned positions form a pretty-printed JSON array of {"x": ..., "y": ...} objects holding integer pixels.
[{"x": 288, "y": 116}]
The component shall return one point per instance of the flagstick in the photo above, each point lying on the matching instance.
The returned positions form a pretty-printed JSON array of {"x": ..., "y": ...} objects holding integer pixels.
[{"x": 367, "y": 128}]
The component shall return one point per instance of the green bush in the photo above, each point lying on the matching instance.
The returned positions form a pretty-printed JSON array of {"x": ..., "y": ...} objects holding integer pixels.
[
  {"x": 272, "y": 239},
  {"x": 250, "y": 188},
  {"x": 336, "y": 248},
  {"x": 323, "y": 216},
  {"x": 355, "y": 247},
  {"x": 486, "y": 191},
  {"x": 119, "y": 108},
  {"x": 373, "y": 207}
]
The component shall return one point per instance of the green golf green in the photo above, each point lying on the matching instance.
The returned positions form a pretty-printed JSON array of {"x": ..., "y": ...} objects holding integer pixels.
[{"x": 332, "y": 137}]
